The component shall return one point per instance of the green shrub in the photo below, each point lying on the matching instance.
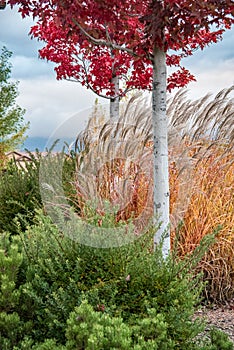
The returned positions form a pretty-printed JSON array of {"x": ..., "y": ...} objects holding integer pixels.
[
  {"x": 28, "y": 344},
  {"x": 89, "y": 329},
  {"x": 50, "y": 289},
  {"x": 130, "y": 287},
  {"x": 19, "y": 195},
  {"x": 219, "y": 340},
  {"x": 49, "y": 344},
  {"x": 12, "y": 326},
  {"x": 60, "y": 272}
]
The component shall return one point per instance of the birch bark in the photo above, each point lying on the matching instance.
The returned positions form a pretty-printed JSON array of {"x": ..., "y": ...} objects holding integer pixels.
[{"x": 160, "y": 149}]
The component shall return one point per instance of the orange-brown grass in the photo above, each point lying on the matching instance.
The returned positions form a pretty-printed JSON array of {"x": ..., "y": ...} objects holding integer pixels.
[{"x": 212, "y": 205}]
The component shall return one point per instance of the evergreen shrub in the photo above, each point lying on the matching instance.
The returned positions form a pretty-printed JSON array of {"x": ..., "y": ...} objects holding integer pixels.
[
  {"x": 19, "y": 195},
  {"x": 70, "y": 296}
]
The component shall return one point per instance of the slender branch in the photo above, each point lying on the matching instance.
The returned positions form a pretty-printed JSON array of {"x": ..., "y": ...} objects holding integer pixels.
[
  {"x": 108, "y": 36},
  {"x": 88, "y": 83},
  {"x": 104, "y": 42},
  {"x": 97, "y": 93},
  {"x": 89, "y": 86}
]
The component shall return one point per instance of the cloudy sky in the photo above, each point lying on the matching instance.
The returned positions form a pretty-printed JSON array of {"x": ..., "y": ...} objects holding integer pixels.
[{"x": 50, "y": 103}]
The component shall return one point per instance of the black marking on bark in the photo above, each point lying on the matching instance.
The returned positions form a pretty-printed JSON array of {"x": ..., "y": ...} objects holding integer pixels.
[{"x": 155, "y": 84}]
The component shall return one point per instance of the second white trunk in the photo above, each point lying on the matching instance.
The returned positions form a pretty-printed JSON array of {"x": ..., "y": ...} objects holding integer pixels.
[{"x": 114, "y": 102}]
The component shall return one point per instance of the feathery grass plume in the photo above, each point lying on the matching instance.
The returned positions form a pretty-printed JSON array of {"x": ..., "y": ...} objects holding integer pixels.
[
  {"x": 120, "y": 144},
  {"x": 116, "y": 161},
  {"x": 115, "y": 164}
]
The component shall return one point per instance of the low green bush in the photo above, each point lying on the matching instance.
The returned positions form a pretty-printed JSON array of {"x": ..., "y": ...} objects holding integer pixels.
[
  {"x": 219, "y": 340},
  {"x": 19, "y": 195},
  {"x": 12, "y": 325},
  {"x": 89, "y": 329},
  {"x": 20, "y": 191},
  {"x": 64, "y": 295}
]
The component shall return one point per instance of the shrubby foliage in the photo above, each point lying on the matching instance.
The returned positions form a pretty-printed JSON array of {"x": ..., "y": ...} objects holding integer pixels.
[
  {"x": 63, "y": 295},
  {"x": 12, "y": 323},
  {"x": 19, "y": 195}
]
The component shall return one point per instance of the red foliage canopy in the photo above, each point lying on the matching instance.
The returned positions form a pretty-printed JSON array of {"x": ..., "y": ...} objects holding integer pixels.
[{"x": 93, "y": 41}]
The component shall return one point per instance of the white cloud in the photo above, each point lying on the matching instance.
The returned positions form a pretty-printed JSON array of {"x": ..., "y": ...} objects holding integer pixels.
[
  {"x": 24, "y": 67},
  {"x": 49, "y": 102},
  {"x": 213, "y": 67},
  {"x": 15, "y": 33},
  {"x": 212, "y": 79}
]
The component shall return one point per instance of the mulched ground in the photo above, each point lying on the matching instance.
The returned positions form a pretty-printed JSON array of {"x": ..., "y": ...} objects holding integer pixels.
[{"x": 221, "y": 317}]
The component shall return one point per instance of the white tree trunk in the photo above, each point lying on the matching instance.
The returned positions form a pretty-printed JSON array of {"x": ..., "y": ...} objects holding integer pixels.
[
  {"x": 160, "y": 151},
  {"x": 114, "y": 102}
]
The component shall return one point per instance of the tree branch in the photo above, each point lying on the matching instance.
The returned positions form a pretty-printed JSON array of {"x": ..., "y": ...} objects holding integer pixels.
[{"x": 104, "y": 42}]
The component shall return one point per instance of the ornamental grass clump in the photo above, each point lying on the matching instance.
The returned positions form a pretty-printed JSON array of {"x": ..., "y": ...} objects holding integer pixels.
[
  {"x": 117, "y": 155},
  {"x": 211, "y": 205}
]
